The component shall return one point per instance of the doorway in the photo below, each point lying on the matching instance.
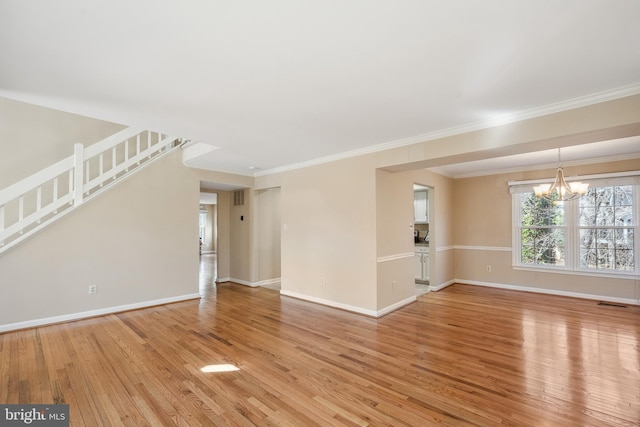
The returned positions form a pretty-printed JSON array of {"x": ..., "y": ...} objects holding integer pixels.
[
  {"x": 208, "y": 241},
  {"x": 423, "y": 231}
]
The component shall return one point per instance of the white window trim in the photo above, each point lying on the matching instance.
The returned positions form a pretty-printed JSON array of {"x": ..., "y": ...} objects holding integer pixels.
[
  {"x": 203, "y": 236},
  {"x": 572, "y": 261}
]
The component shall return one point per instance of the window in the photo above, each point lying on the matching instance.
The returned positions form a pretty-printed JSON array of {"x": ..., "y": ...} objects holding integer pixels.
[
  {"x": 605, "y": 229},
  {"x": 542, "y": 231},
  {"x": 592, "y": 234},
  {"x": 203, "y": 227}
]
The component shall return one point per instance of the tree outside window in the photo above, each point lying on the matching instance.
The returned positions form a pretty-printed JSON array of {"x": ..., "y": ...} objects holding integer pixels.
[
  {"x": 542, "y": 229},
  {"x": 606, "y": 232}
]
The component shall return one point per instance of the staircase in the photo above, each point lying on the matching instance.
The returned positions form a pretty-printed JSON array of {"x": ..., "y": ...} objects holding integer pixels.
[{"x": 30, "y": 205}]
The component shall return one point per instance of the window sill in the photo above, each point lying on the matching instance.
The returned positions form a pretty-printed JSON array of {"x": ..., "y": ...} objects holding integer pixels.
[{"x": 559, "y": 270}]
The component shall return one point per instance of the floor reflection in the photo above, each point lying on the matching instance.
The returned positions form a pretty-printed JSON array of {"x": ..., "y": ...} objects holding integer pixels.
[
  {"x": 208, "y": 273},
  {"x": 421, "y": 289},
  {"x": 577, "y": 361}
]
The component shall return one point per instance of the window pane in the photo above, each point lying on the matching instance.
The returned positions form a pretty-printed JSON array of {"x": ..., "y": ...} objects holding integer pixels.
[
  {"x": 623, "y": 195},
  {"x": 588, "y": 199},
  {"x": 605, "y": 216},
  {"x": 624, "y": 215},
  {"x": 540, "y": 212},
  {"x": 607, "y": 249},
  {"x": 604, "y": 257},
  {"x": 611, "y": 206},
  {"x": 528, "y": 247},
  {"x": 624, "y": 260},
  {"x": 603, "y": 196},
  {"x": 624, "y": 249},
  {"x": 543, "y": 246},
  {"x": 588, "y": 238},
  {"x": 587, "y": 215}
]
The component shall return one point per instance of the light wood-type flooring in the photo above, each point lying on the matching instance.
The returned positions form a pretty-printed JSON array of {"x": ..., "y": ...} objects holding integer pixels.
[{"x": 462, "y": 356}]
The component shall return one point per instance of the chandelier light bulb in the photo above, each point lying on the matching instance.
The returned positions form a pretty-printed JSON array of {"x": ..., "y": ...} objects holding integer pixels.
[{"x": 565, "y": 191}]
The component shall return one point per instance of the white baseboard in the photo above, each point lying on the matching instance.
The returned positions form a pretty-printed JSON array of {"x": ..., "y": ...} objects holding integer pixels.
[
  {"x": 347, "y": 307},
  {"x": 243, "y": 282},
  {"x": 223, "y": 279},
  {"x": 268, "y": 282},
  {"x": 441, "y": 286},
  {"x": 250, "y": 284},
  {"x": 394, "y": 307},
  {"x": 629, "y": 301},
  {"x": 93, "y": 313}
]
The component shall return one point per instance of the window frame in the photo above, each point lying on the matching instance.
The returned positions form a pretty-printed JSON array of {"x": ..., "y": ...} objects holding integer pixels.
[
  {"x": 572, "y": 227},
  {"x": 202, "y": 229}
]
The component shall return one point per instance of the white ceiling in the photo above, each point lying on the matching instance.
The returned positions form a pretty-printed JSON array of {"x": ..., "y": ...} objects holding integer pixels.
[{"x": 276, "y": 83}]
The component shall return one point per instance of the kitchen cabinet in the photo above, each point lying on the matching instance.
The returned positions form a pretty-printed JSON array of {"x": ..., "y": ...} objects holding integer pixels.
[
  {"x": 421, "y": 207},
  {"x": 421, "y": 263}
]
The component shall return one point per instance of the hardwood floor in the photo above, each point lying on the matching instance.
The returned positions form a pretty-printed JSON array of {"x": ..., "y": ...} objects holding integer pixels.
[{"x": 462, "y": 356}]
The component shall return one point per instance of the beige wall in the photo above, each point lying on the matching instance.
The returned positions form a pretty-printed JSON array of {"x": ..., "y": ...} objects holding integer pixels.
[
  {"x": 37, "y": 137},
  {"x": 329, "y": 229},
  {"x": 136, "y": 242},
  {"x": 350, "y": 224},
  {"x": 268, "y": 234},
  {"x": 395, "y": 215},
  {"x": 483, "y": 231},
  {"x": 394, "y": 238},
  {"x": 241, "y": 228}
]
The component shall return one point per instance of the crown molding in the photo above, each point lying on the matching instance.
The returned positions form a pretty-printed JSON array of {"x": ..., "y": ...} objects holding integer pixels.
[
  {"x": 582, "y": 162},
  {"x": 571, "y": 104}
]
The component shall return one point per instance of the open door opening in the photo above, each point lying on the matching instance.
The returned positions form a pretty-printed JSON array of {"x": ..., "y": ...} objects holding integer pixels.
[
  {"x": 422, "y": 230},
  {"x": 208, "y": 242}
]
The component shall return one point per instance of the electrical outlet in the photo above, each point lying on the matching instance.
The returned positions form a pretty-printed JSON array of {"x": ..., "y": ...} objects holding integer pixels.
[
  {"x": 393, "y": 285},
  {"x": 488, "y": 269},
  {"x": 322, "y": 281},
  {"x": 93, "y": 289}
]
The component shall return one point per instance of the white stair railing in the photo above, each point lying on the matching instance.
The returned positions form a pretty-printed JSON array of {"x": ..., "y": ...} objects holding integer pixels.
[{"x": 28, "y": 206}]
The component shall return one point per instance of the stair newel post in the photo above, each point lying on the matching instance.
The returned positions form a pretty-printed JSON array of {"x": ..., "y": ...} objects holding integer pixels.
[{"x": 78, "y": 176}]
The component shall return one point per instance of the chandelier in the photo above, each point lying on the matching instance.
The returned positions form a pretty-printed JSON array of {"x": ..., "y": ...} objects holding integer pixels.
[{"x": 564, "y": 191}]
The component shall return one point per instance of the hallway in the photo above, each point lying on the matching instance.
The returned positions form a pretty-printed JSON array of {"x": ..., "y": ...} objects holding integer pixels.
[{"x": 208, "y": 273}]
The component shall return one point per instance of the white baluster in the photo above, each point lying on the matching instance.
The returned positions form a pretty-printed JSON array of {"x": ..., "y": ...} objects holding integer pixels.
[
  {"x": 79, "y": 164},
  {"x": 87, "y": 172},
  {"x": 126, "y": 154},
  {"x": 71, "y": 171},
  {"x": 101, "y": 167},
  {"x": 113, "y": 160},
  {"x": 55, "y": 192},
  {"x": 39, "y": 201},
  {"x": 138, "y": 146}
]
